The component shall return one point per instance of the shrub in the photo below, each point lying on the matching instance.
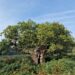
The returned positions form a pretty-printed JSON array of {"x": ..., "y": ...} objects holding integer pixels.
[{"x": 58, "y": 67}]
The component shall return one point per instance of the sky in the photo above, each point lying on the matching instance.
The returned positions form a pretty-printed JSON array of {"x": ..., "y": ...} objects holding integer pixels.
[{"x": 62, "y": 11}]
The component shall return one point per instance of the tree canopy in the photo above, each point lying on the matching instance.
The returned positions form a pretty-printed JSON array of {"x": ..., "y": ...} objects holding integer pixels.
[{"x": 30, "y": 35}]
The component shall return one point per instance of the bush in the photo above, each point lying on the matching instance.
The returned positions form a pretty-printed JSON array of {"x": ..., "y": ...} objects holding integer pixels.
[
  {"x": 58, "y": 67},
  {"x": 22, "y": 65}
]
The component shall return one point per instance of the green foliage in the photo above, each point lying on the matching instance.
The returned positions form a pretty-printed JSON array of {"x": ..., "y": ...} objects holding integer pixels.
[
  {"x": 59, "y": 67},
  {"x": 4, "y": 47},
  {"x": 30, "y": 35},
  {"x": 27, "y": 36},
  {"x": 17, "y": 65},
  {"x": 56, "y": 37},
  {"x": 10, "y": 32},
  {"x": 22, "y": 65}
]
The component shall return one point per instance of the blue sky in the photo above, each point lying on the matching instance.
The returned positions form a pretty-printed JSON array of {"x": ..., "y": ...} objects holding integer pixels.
[{"x": 62, "y": 11}]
